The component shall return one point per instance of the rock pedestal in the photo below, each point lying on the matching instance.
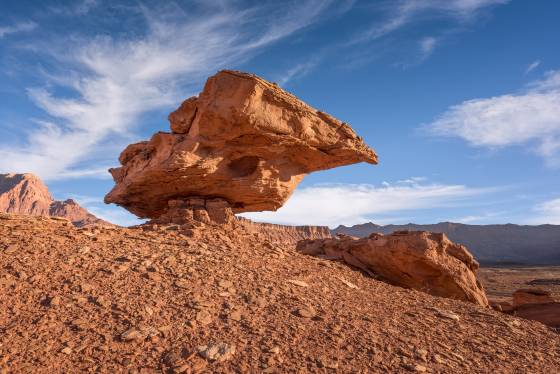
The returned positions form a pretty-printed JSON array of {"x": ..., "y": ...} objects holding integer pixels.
[{"x": 196, "y": 210}]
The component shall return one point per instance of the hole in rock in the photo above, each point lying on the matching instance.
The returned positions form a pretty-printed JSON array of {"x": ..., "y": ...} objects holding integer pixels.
[{"x": 243, "y": 166}]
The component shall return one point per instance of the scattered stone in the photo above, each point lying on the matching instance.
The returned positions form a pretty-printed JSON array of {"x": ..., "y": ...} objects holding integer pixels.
[
  {"x": 416, "y": 367},
  {"x": 306, "y": 312},
  {"x": 66, "y": 350},
  {"x": 204, "y": 317},
  {"x": 298, "y": 283},
  {"x": 217, "y": 352},
  {"x": 448, "y": 315},
  {"x": 55, "y": 301}
]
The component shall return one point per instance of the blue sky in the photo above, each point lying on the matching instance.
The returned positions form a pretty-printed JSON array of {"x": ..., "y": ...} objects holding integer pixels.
[{"x": 460, "y": 98}]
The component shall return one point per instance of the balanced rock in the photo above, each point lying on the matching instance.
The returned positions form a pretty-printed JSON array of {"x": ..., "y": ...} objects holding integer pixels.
[
  {"x": 243, "y": 144},
  {"x": 425, "y": 261}
]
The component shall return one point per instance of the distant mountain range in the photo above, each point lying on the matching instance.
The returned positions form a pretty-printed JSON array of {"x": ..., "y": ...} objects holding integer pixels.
[
  {"x": 490, "y": 244},
  {"x": 27, "y": 194}
]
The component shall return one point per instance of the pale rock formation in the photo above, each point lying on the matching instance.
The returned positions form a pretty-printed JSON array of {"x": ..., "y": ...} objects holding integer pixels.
[
  {"x": 420, "y": 260},
  {"x": 243, "y": 141},
  {"x": 27, "y": 194}
]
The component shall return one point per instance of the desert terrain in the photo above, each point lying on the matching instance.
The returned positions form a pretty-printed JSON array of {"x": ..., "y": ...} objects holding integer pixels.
[
  {"x": 501, "y": 282},
  {"x": 197, "y": 289},
  {"x": 155, "y": 300}
]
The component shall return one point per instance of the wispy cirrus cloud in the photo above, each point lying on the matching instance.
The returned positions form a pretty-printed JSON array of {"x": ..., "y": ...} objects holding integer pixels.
[
  {"x": 530, "y": 118},
  {"x": 401, "y": 13},
  {"x": 113, "y": 80},
  {"x": 532, "y": 66},
  {"x": 17, "y": 28},
  {"x": 350, "y": 204}
]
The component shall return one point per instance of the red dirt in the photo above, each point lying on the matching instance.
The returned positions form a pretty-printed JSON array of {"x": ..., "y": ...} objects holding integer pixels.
[{"x": 114, "y": 300}]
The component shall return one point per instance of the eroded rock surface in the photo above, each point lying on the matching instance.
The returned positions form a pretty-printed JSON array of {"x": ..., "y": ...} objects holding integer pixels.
[
  {"x": 243, "y": 140},
  {"x": 421, "y": 260},
  {"x": 27, "y": 194}
]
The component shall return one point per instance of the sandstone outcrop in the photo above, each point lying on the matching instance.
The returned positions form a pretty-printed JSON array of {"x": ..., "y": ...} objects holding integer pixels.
[
  {"x": 531, "y": 296},
  {"x": 242, "y": 145},
  {"x": 27, "y": 194},
  {"x": 425, "y": 261},
  {"x": 537, "y": 305}
]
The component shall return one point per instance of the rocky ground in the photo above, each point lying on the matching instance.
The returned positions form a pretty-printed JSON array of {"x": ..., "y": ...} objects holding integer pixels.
[{"x": 117, "y": 300}]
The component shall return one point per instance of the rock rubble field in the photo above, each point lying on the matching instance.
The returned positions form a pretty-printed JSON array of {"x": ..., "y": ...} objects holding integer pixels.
[{"x": 151, "y": 299}]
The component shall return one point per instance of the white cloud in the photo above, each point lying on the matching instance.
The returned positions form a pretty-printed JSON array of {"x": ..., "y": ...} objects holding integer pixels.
[
  {"x": 78, "y": 8},
  {"x": 427, "y": 46},
  {"x": 116, "y": 80},
  {"x": 298, "y": 71},
  {"x": 350, "y": 204},
  {"x": 532, "y": 66},
  {"x": 547, "y": 212},
  {"x": 19, "y": 27},
  {"x": 531, "y": 118},
  {"x": 404, "y": 12}
]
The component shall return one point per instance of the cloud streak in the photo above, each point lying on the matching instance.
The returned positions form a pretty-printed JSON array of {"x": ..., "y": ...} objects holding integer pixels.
[
  {"x": 17, "y": 28},
  {"x": 350, "y": 204},
  {"x": 404, "y": 12},
  {"x": 114, "y": 80},
  {"x": 530, "y": 118}
]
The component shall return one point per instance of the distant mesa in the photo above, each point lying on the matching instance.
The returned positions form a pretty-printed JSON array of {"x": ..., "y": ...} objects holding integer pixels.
[
  {"x": 27, "y": 194},
  {"x": 242, "y": 145}
]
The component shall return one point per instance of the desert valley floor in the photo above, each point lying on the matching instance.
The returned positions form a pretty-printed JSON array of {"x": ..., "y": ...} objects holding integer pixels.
[{"x": 157, "y": 301}]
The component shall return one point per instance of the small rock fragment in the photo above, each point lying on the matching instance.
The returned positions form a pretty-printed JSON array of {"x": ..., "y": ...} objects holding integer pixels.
[{"x": 217, "y": 352}]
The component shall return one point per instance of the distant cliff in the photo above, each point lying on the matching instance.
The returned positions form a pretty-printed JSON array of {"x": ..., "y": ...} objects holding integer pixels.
[
  {"x": 490, "y": 244},
  {"x": 286, "y": 234},
  {"x": 27, "y": 194}
]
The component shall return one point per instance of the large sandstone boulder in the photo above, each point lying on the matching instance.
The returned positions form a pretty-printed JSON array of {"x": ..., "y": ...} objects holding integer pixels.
[
  {"x": 421, "y": 260},
  {"x": 243, "y": 141},
  {"x": 27, "y": 194}
]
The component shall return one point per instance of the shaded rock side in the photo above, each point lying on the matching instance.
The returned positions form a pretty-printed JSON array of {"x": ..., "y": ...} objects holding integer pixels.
[
  {"x": 537, "y": 305},
  {"x": 26, "y": 194},
  {"x": 425, "y": 261},
  {"x": 243, "y": 140}
]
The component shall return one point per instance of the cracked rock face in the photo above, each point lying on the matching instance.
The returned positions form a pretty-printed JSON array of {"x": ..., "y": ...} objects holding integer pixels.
[
  {"x": 421, "y": 260},
  {"x": 243, "y": 140}
]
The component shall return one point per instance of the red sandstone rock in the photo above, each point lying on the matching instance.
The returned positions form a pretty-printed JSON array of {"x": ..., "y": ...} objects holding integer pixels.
[
  {"x": 242, "y": 140},
  {"x": 531, "y": 296},
  {"x": 548, "y": 313},
  {"x": 538, "y": 305},
  {"x": 421, "y": 260},
  {"x": 27, "y": 194}
]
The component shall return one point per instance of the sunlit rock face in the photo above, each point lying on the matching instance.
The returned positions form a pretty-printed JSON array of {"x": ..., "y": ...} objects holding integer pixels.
[
  {"x": 243, "y": 141},
  {"x": 421, "y": 260}
]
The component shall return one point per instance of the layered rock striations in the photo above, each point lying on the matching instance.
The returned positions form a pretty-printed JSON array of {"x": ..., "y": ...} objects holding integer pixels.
[
  {"x": 242, "y": 145},
  {"x": 27, "y": 194},
  {"x": 420, "y": 260}
]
